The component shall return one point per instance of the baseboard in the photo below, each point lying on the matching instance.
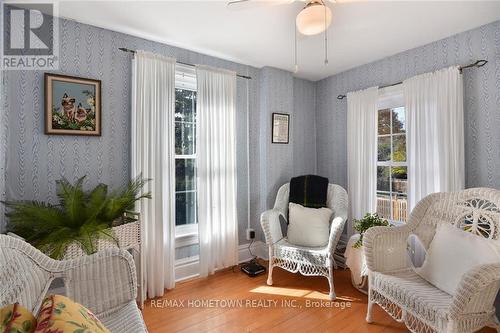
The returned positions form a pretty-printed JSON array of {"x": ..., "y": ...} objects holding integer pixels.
[
  {"x": 188, "y": 268},
  {"x": 258, "y": 248}
]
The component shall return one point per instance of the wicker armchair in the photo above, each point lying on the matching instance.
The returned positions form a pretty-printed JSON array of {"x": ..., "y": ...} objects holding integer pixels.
[
  {"x": 307, "y": 261},
  {"x": 104, "y": 282},
  {"x": 408, "y": 298}
]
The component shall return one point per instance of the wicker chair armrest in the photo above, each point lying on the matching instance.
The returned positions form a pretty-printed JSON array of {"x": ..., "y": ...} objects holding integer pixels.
[
  {"x": 477, "y": 290},
  {"x": 270, "y": 222},
  {"x": 336, "y": 229},
  {"x": 103, "y": 281},
  {"x": 385, "y": 248}
]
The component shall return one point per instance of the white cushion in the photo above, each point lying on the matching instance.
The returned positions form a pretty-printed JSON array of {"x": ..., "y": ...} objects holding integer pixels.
[
  {"x": 452, "y": 253},
  {"x": 308, "y": 226}
]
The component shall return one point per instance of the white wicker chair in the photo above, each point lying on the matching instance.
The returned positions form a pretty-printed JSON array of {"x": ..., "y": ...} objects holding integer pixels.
[
  {"x": 410, "y": 299},
  {"x": 307, "y": 261},
  {"x": 104, "y": 282}
]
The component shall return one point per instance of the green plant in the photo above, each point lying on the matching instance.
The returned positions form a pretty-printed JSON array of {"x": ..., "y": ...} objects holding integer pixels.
[
  {"x": 368, "y": 221},
  {"x": 80, "y": 216}
]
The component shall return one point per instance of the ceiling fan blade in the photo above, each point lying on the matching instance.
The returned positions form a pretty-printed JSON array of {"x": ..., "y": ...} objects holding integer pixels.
[
  {"x": 236, "y": 2},
  {"x": 247, "y": 4}
]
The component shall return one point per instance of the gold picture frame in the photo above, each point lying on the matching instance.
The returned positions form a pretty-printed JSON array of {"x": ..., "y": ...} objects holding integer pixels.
[{"x": 72, "y": 105}]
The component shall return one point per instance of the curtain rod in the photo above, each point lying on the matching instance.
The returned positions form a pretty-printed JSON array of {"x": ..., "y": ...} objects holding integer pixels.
[
  {"x": 477, "y": 64},
  {"x": 182, "y": 63}
]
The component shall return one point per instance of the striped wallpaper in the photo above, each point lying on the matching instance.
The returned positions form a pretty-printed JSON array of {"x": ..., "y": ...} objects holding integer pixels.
[
  {"x": 35, "y": 160},
  {"x": 482, "y": 101}
]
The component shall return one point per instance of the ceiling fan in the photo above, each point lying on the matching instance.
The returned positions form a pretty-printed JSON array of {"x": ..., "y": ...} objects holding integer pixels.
[{"x": 314, "y": 18}]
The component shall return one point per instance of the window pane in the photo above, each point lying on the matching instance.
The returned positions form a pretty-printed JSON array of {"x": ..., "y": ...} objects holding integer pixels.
[
  {"x": 398, "y": 120},
  {"x": 384, "y": 148},
  {"x": 399, "y": 179},
  {"x": 185, "y": 208},
  {"x": 185, "y": 176},
  {"x": 399, "y": 148},
  {"x": 185, "y": 105},
  {"x": 384, "y": 121},
  {"x": 384, "y": 205},
  {"x": 383, "y": 175},
  {"x": 185, "y": 139}
]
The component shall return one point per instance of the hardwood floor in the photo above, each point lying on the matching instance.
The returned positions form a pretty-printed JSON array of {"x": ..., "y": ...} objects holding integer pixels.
[{"x": 293, "y": 304}]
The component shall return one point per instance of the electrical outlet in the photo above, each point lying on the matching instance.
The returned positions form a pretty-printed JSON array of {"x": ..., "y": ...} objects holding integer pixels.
[{"x": 250, "y": 234}]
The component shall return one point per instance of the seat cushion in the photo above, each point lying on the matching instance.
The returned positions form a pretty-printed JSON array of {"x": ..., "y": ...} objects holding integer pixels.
[
  {"x": 61, "y": 314},
  {"x": 126, "y": 319},
  {"x": 16, "y": 318},
  {"x": 408, "y": 288},
  {"x": 286, "y": 250}
]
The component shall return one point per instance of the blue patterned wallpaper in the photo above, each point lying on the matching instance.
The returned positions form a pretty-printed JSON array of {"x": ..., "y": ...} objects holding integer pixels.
[
  {"x": 481, "y": 104},
  {"x": 303, "y": 127},
  {"x": 275, "y": 158},
  {"x": 3, "y": 147},
  {"x": 277, "y": 163},
  {"x": 36, "y": 160}
]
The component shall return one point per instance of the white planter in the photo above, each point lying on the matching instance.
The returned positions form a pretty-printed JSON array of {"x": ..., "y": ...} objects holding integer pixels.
[
  {"x": 128, "y": 236},
  {"x": 355, "y": 260}
]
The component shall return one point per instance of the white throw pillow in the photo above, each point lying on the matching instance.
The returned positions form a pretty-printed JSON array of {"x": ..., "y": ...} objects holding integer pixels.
[
  {"x": 308, "y": 226},
  {"x": 452, "y": 253}
]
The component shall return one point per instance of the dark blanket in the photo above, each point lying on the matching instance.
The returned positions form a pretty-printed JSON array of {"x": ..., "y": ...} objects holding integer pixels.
[{"x": 309, "y": 191}]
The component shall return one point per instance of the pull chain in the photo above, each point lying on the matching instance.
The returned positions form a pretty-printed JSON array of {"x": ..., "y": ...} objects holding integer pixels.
[{"x": 296, "y": 67}]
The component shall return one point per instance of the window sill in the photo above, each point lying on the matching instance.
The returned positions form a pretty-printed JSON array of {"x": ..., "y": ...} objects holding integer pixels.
[{"x": 186, "y": 235}]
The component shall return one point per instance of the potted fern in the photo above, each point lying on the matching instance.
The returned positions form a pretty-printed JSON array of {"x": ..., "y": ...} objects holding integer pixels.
[
  {"x": 81, "y": 218},
  {"x": 368, "y": 221}
]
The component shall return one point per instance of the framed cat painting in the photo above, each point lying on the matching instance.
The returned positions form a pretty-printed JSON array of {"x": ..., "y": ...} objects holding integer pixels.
[{"x": 72, "y": 105}]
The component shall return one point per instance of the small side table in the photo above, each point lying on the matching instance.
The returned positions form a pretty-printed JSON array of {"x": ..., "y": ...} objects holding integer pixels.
[{"x": 355, "y": 260}]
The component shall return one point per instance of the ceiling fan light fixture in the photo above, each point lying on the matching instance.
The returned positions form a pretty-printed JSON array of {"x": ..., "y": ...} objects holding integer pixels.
[{"x": 311, "y": 19}]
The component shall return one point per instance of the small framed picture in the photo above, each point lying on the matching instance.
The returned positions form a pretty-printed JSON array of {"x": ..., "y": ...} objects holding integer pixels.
[
  {"x": 281, "y": 128},
  {"x": 72, "y": 105}
]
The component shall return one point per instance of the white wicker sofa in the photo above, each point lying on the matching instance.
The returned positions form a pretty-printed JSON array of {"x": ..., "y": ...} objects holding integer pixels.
[
  {"x": 104, "y": 282},
  {"x": 305, "y": 260},
  {"x": 405, "y": 295}
]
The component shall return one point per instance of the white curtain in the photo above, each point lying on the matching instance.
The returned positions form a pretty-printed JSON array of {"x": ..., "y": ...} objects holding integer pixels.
[
  {"x": 362, "y": 153},
  {"x": 153, "y": 106},
  {"x": 216, "y": 169},
  {"x": 435, "y": 119}
]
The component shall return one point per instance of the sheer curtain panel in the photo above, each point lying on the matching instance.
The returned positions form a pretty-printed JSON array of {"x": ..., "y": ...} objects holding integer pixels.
[
  {"x": 362, "y": 153},
  {"x": 216, "y": 169},
  {"x": 153, "y": 106},
  {"x": 435, "y": 118}
]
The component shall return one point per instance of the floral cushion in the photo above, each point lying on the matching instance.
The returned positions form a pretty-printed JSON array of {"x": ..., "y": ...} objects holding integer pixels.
[
  {"x": 15, "y": 318},
  {"x": 60, "y": 314}
]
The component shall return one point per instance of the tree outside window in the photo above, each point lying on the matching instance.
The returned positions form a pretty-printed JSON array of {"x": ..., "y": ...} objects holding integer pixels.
[{"x": 392, "y": 167}]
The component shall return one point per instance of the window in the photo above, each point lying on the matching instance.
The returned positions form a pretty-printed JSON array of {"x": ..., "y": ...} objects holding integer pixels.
[
  {"x": 392, "y": 167},
  {"x": 185, "y": 152}
]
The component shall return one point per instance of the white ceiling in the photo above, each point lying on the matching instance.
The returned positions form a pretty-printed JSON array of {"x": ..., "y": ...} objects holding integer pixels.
[{"x": 263, "y": 34}]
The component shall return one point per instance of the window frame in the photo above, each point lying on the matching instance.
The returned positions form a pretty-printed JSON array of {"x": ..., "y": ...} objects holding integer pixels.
[
  {"x": 185, "y": 79},
  {"x": 392, "y": 98}
]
